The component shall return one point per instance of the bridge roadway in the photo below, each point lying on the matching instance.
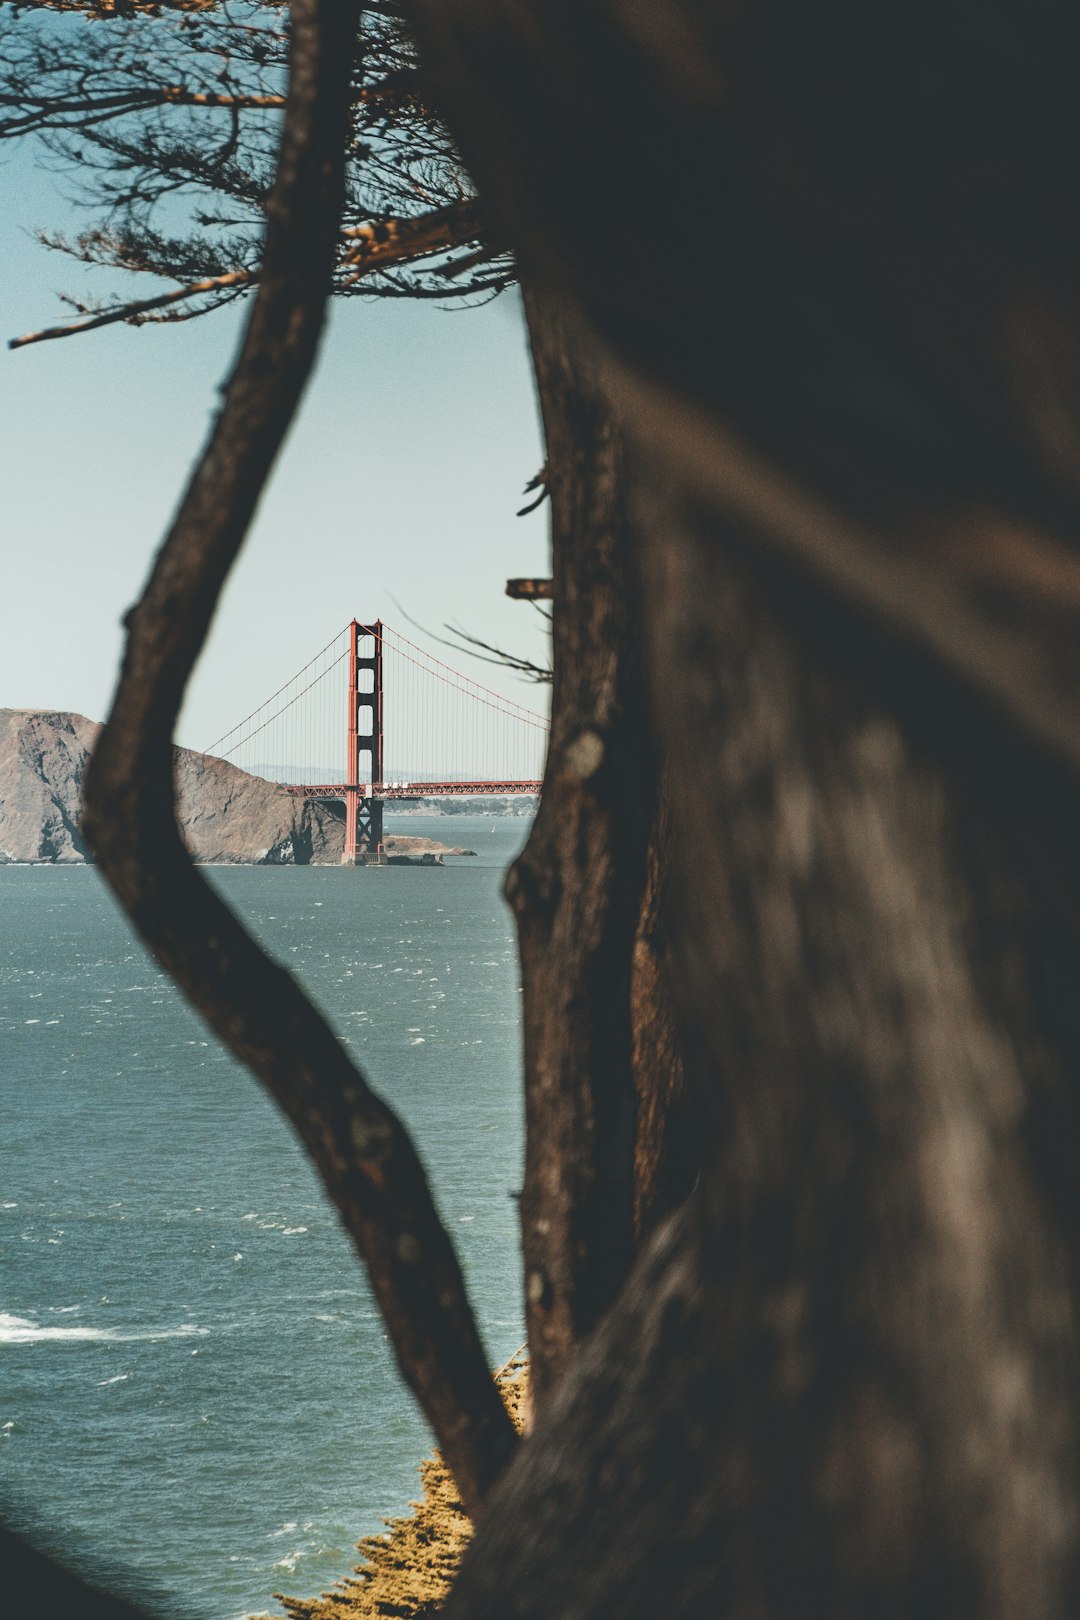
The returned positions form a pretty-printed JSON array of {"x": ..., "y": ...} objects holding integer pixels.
[{"x": 410, "y": 790}]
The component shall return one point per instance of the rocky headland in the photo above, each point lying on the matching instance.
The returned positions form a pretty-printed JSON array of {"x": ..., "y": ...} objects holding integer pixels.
[
  {"x": 226, "y": 815},
  {"x": 408, "y": 1572}
]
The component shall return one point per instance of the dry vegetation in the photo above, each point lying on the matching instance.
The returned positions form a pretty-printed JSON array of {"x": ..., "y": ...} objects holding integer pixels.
[{"x": 407, "y": 1573}]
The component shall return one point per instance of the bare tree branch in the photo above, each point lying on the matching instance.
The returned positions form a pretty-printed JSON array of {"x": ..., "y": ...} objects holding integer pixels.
[
  {"x": 487, "y": 653},
  {"x": 374, "y": 246},
  {"x": 530, "y": 589},
  {"x": 361, "y": 1149},
  {"x": 402, "y": 247},
  {"x": 70, "y": 111},
  {"x": 107, "y": 9},
  {"x": 540, "y": 482},
  {"x": 378, "y": 243},
  {"x": 139, "y": 307},
  {"x": 484, "y": 652}
]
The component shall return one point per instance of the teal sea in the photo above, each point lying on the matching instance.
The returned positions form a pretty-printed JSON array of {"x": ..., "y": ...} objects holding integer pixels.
[{"x": 198, "y": 1403}]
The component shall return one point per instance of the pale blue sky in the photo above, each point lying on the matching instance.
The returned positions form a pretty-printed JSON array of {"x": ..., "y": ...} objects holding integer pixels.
[{"x": 400, "y": 480}]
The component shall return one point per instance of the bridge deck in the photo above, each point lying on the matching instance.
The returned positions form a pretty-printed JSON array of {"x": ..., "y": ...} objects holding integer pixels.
[{"x": 411, "y": 790}]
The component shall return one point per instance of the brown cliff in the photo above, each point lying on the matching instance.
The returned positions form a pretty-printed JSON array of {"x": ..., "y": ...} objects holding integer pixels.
[
  {"x": 42, "y": 761},
  {"x": 227, "y": 816}
]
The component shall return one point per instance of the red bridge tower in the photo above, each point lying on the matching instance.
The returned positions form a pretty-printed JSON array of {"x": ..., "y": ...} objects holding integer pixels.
[{"x": 363, "y": 811}]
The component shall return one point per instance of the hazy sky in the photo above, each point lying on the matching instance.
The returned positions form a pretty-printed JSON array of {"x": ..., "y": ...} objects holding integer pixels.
[{"x": 400, "y": 480}]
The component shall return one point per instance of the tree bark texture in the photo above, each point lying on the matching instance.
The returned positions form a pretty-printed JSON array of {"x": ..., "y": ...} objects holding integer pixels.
[
  {"x": 577, "y": 888},
  {"x": 666, "y": 1149},
  {"x": 843, "y": 1382}
]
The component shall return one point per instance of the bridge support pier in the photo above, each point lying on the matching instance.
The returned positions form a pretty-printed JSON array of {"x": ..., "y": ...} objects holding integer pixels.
[
  {"x": 364, "y": 735},
  {"x": 363, "y": 831}
]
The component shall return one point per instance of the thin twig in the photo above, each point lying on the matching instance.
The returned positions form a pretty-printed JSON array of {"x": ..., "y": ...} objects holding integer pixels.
[
  {"x": 469, "y": 644},
  {"x": 131, "y": 312},
  {"x": 487, "y": 653}
]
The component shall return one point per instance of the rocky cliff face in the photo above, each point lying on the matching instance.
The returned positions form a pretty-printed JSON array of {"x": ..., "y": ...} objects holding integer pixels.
[
  {"x": 226, "y": 814},
  {"x": 42, "y": 761}
]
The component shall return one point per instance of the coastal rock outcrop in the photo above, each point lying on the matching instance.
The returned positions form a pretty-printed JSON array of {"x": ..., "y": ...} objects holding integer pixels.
[
  {"x": 42, "y": 762},
  {"x": 400, "y": 844},
  {"x": 226, "y": 815}
]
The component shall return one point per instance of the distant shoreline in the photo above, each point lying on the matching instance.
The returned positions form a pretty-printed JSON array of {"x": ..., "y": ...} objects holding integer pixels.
[{"x": 227, "y": 816}]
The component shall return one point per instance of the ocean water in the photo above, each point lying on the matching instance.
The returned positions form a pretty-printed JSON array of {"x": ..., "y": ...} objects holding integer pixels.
[{"x": 198, "y": 1403}]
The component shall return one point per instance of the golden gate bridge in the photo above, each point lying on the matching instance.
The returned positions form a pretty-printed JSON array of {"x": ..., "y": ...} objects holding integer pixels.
[{"x": 403, "y": 723}]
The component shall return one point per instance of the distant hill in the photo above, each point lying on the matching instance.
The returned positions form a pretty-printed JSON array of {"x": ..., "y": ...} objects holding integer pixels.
[{"x": 226, "y": 814}]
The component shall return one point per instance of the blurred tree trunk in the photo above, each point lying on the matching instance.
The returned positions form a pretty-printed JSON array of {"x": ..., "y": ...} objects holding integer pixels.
[{"x": 842, "y": 1381}]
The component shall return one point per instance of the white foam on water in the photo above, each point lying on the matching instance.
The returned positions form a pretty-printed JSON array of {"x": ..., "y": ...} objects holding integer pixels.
[
  {"x": 121, "y": 1378},
  {"x": 21, "y": 1330}
]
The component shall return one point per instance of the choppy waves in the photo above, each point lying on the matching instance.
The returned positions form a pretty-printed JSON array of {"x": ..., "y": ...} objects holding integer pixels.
[
  {"x": 184, "y": 1327},
  {"x": 23, "y": 1330}
]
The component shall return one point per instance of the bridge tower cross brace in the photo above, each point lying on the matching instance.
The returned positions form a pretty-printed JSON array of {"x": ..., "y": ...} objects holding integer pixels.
[{"x": 363, "y": 811}]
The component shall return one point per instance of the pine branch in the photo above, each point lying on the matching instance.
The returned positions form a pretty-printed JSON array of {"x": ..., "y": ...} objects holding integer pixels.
[
  {"x": 400, "y": 241},
  {"x": 73, "y": 112},
  {"x": 133, "y": 311},
  {"x": 371, "y": 247}
]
